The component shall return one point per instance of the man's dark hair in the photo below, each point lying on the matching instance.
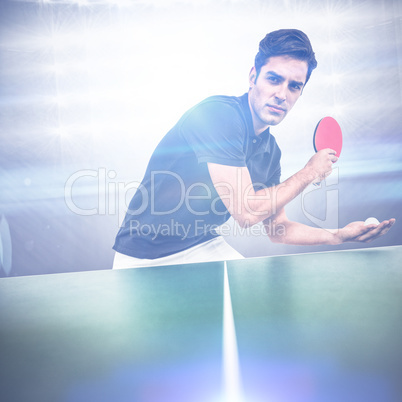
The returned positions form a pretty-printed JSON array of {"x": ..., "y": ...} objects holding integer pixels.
[{"x": 286, "y": 42}]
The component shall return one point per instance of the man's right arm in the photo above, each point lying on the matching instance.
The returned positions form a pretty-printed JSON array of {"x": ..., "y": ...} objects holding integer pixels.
[{"x": 248, "y": 207}]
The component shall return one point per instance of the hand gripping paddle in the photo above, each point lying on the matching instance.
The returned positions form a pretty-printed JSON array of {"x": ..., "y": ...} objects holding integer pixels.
[{"x": 328, "y": 134}]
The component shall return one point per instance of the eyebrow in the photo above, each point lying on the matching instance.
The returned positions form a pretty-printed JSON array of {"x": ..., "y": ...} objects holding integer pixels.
[{"x": 273, "y": 73}]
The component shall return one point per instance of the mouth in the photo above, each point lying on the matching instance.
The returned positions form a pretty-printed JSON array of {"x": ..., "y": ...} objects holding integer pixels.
[{"x": 276, "y": 109}]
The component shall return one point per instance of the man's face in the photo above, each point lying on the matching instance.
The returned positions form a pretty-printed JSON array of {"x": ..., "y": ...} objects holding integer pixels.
[{"x": 275, "y": 91}]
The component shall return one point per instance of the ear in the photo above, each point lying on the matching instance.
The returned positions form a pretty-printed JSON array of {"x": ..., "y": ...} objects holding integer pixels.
[{"x": 252, "y": 77}]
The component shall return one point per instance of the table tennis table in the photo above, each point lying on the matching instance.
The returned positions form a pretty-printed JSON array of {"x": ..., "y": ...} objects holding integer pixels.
[{"x": 310, "y": 327}]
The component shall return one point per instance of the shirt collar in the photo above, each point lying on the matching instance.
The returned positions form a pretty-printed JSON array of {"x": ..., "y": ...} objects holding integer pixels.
[{"x": 264, "y": 141}]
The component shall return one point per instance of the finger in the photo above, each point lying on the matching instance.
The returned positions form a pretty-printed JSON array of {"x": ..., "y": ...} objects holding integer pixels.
[
  {"x": 367, "y": 233},
  {"x": 373, "y": 237},
  {"x": 392, "y": 221},
  {"x": 376, "y": 231},
  {"x": 387, "y": 226},
  {"x": 368, "y": 238}
]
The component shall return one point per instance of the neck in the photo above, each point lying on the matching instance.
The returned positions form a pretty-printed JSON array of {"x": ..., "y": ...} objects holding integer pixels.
[
  {"x": 258, "y": 125},
  {"x": 259, "y": 130}
]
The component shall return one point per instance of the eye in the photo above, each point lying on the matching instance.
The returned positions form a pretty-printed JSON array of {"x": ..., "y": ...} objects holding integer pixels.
[
  {"x": 273, "y": 80},
  {"x": 295, "y": 87}
]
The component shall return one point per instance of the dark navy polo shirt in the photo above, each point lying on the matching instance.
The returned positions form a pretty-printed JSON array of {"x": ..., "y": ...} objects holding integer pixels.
[{"x": 176, "y": 206}]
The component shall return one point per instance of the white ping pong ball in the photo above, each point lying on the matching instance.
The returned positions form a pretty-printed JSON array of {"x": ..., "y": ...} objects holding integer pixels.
[{"x": 371, "y": 221}]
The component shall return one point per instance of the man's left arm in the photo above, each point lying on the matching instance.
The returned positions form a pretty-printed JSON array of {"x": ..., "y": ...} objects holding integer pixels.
[{"x": 281, "y": 230}]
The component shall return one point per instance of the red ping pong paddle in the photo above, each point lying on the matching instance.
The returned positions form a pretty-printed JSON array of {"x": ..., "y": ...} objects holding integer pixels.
[{"x": 328, "y": 134}]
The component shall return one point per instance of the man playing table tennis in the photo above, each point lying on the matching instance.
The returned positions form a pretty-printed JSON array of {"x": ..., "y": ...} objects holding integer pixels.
[{"x": 220, "y": 160}]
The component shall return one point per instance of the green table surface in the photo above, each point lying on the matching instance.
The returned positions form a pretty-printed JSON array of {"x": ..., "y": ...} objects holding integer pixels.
[{"x": 314, "y": 327}]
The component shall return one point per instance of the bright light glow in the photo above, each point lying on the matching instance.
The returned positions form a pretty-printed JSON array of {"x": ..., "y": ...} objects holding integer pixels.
[
  {"x": 337, "y": 110},
  {"x": 333, "y": 21},
  {"x": 332, "y": 47},
  {"x": 335, "y": 78},
  {"x": 62, "y": 132},
  {"x": 231, "y": 370},
  {"x": 59, "y": 68}
]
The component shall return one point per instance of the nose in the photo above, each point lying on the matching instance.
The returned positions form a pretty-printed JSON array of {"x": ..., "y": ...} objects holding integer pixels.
[{"x": 280, "y": 94}]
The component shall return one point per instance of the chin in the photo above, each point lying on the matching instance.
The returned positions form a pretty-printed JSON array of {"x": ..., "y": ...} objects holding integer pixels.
[{"x": 273, "y": 120}]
